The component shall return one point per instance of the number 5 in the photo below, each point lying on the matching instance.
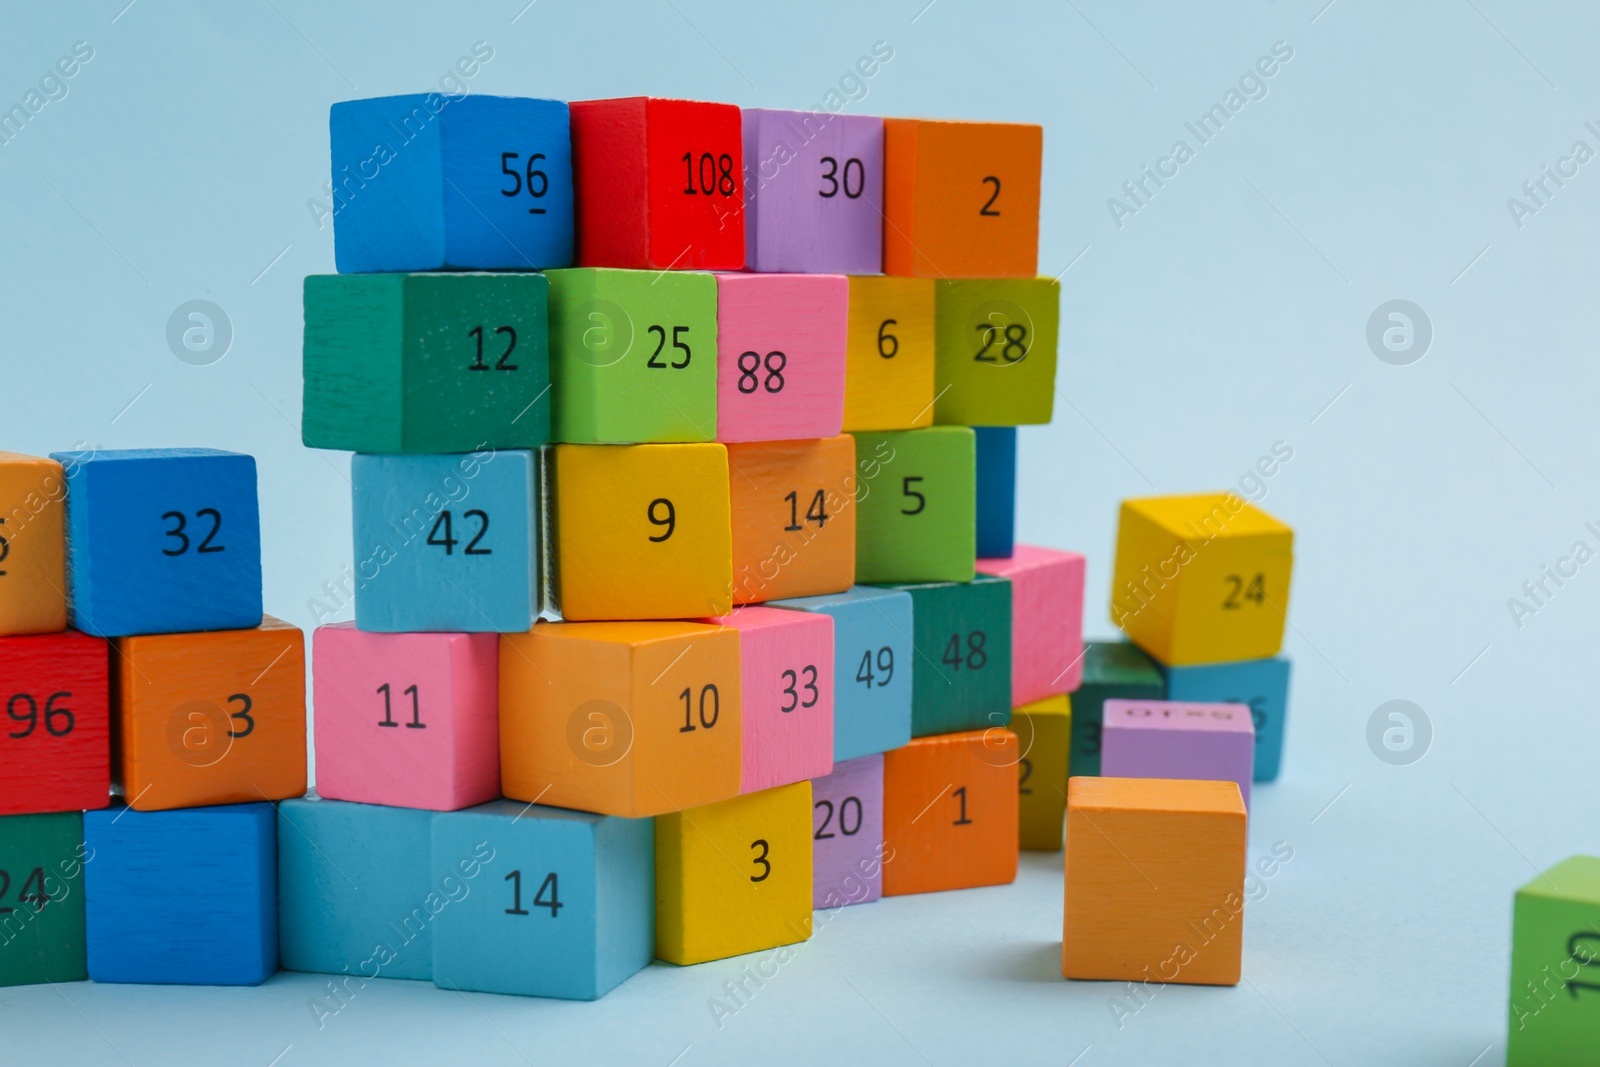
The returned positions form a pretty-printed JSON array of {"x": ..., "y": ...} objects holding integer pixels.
[{"x": 907, "y": 491}]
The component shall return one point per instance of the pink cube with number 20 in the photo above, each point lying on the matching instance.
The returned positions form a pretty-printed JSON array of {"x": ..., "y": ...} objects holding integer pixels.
[{"x": 780, "y": 355}]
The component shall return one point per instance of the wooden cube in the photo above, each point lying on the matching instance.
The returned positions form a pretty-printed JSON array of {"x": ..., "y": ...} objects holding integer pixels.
[
  {"x": 1168, "y": 739},
  {"x": 33, "y": 545},
  {"x": 1553, "y": 946},
  {"x": 794, "y": 518},
  {"x": 41, "y": 910},
  {"x": 950, "y": 812},
  {"x": 621, "y": 718},
  {"x": 446, "y": 542},
  {"x": 409, "y": 720},
  {"x": 734, "y": 877},
  {"x": 780, "y": 355},
  {"x": 1201, "y": 579},
  {"x": 847, "y": 834},
  {"x": 961, "y": 199},
  {"x": 888, "y": 367},
  {"x": 633, "y": 355},
  {"x": 1044, "y": 730},
  {"x": 356, "y": 894},
  {"x": 211, "y": 718},
  {"x": 1111, "y": 670},
  {"x": 1261, "y": 684},
  {"x": 1046, "y": 620},
  {"x": 423, "y": 363},
  {"x": 566, "y": 908},
  {"x": 813, "y": 201},
  {"x": 1154, "y": 881},
  {"x": 995, "y": 350},
  {"x": 55, "y": 742},
  {"x": 996, "y": 490},
  {"x": 137, "y": 935},
  {"x": 872, "y": 630},
  {"x": 642, "y": 531},
  {"x": 916, "y": 496},
  {"x": 162, "y": 540},
  {"x": 961, "y": 670},
  {"x": 450, "y": 181},
  {"x": 660, "y": 184}
]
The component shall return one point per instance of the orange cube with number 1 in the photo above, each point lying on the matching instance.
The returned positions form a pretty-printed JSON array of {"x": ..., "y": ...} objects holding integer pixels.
[{"x": 950, "y": 812}]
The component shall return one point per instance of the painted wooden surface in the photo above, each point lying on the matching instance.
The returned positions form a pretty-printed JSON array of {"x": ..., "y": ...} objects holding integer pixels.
[
  {"x": 813, "y": 202},
  {"x": 1175, "y": 739},
  {"x": 889, "y": 354},
  {"x": 1046, "y": 619},
  {"x": 42, "y": 903},
  {"x": 961, "y": 666},
  {"x": 33, "y": 545},
  {"x": 847, "y": 834},
  {"x": 950, "y": 812},
  {"x": 794, "y": 518},
  {"x": 55, "y": 741},
  {"x": 917, "y": 500},
  {"x": 781, "y": 355}
]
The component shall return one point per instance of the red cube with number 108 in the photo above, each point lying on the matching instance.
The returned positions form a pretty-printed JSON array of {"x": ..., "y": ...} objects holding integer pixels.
[{"x": 55, "y": 741}]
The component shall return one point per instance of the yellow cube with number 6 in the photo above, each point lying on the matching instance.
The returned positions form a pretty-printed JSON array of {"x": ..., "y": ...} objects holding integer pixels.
[{"x": 889, "y": 350}]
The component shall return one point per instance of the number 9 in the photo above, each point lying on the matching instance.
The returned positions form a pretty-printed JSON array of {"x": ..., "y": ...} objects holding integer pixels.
[{"x": 670, "y": 521}]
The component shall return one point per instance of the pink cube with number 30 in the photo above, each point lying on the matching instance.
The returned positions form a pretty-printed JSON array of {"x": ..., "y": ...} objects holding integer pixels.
[
  {"x": 780, "y": 355},
  {"x": 1046, "y": 620}
]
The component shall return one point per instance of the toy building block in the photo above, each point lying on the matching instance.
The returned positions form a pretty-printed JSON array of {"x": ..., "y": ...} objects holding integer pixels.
[
  {"x": 135, "y": 932},
  {"x": 872, "y": 631},
  {"x": 162, "y": 540},
  {"x": 356, "y": 893},
  {"x": 633, "y": 356},
  {"x": 409, "y": 720},
  {"x": 888, "y": 368},
  {"x": 995, "y": 350},
  {"x": 566, "y": 907},
  {"x": 33, "y": 545},
  {"x": 916, "y": 497},
  {"x": 41, "y": 909},
  {"x": 815, "y": 191},
  {"x": 1168, "y": 739},
  {"x": 1111, "y": 670},
  {"x": 1201, "y": 579},
  {"x": 794, "y": 518},
  {"x": 786, "y": 681},
  {"x": 55, "y": 741},
  {"x": 734, "y": 877},
  {"x": 211, "y": 718},
  {"x": 426, "y": 362},
  {"x": 434, "y": 182},
  {"x": 621, "y": 718},
  {"x": 780, "y": 355},
  {"x": 961, "y": 199},
  {"x": 1261, "y": 684},
  {"x": 447, "y": 542},
  {"x": 1155, "y": 874},
  {"x": 1555, "y": 967},
  {"x": 997, "y": 490},
  {"x": 660, "y": 184},
  {"x": 1046, "y": 620},
  {"x": 1044, "y": 730},
  {"x": 961, "y": 664},
  {"x": 950, "y": 812},
  {"x": 642, "y": 531},
  {"x": 847, "y": 834}
]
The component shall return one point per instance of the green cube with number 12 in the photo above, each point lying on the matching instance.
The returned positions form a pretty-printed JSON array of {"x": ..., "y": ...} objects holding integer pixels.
[
  {"x": 995, "y": 351},
  {"x": 1555, "y": 967},
  {"x": 917, "y": 500}
]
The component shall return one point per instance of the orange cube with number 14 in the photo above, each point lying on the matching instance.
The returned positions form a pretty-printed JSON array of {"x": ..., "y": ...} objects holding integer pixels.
[
  {"x": 950, "y": 812},
  {"x": 794, "y": 518}
]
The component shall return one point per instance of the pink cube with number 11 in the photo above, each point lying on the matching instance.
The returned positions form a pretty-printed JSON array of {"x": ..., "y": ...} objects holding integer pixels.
[
  {"x": 847, "y": 833},
  {"x": 780, "y": 355},
  {"x": 1046, "y": 620},
  {"x": 1169, "y": 739}
]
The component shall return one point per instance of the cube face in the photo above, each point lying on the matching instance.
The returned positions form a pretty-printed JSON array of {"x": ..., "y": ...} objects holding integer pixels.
[
  {"x": 1261, "y": 684},
  {"x": 138, "y": 934},
  {"x": 629, "y": 719},
  {"x": 916, "y": 496},
  {"x": 42, "y": 913},
  {"x": 997, "y": 490},
  {"x": 1169, "y": 739},
  {"x": 633, "y": 356},
  {"x": 1127, "y": 836},
  {"x": 33, "y": 545},
  {"x": 996, "y": 350},
  {"x": 847, "y": 834},
  {"x": 961, "y": 671},
  {"x": 1111, "y": 670},
  {"x": 211, "y": 718},
  {"x": 794, "y": 520},
  {"x": 708, "y": 908},
  {"x": 421, "y": 363},
  {"x": 55, "y": 750},
  {"x": 950, "y": 812},
  {"x": 642, "y": 531},
  {"x": 780, "y": 355},
  {"x": 961, "y": 199},
  {"x": 447, "y": 542},
  {"x": 354, "y": 885},
  {"x": 816, "y": 183},
  {"x": 1553, "y": 948},
  {"x": 162, "y": 540},
  {"x": 409, "y": 720},
  {"x": 1046, "y": 620},
  {"x": 1044, "y": 730},
  {"x": 565, "y": 906},
  {"x": 889, "y": 354},
  {"x": 433, "y": 182}
]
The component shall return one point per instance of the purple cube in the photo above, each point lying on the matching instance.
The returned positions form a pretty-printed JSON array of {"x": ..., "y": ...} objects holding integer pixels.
[
  {"x": 847, "y": 833},
  {"x": 813, "y": 192},
  {"x": 1171, "y": 739}
]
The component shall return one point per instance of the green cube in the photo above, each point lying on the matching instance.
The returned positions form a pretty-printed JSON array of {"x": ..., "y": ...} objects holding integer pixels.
[
  {"x": 420, "y": 363},
  {"x": 961, "y": 655},
  {"x": 41, "y": 899},
  {"x": 1555, "y": 967},
  {"x": 917, "y": 505},
  {"x": 995, "y": 350},
  {"x": 1112, "y": 670},
  {"x": 633, "y": 354}
]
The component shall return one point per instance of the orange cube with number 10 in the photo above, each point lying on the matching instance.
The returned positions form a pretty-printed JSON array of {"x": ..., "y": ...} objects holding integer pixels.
[
  {"x": 950, "y": 812},
  {"x": 794, "y": 518}
]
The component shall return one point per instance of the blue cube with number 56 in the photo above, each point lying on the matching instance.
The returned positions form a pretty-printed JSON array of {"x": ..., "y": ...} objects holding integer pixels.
[{"x": 1263, "y": 684}]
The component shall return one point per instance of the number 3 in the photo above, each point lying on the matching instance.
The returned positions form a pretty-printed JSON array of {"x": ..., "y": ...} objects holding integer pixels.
[
  {"x": 243, "y": 713},
  {"x": 766, "y": 866}
]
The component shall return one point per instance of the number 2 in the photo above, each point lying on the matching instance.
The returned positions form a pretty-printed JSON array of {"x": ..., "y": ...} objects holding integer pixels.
[{"x": 991, "y": 180}]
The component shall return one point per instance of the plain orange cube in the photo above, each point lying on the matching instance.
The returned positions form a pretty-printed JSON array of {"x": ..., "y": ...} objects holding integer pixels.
[
  {"x": 950, "y": 812},
  {"x": 794, "y": 518},
  {"x": 33, "y": 545}
]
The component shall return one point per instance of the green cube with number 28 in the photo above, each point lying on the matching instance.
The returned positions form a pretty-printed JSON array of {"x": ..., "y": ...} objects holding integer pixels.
[
  {"x": 916, "y": 498},
  {"x": 995, "y": 351},
  {"x": 1555, "y": 967}
]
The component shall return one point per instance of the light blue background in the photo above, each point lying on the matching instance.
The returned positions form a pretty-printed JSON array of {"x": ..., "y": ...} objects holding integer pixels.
[{"x": 1226, "y": 315}]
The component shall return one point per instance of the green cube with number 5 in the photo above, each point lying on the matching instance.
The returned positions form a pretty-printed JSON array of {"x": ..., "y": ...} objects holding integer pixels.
[
  {"x": 916, "y": 491},
  {"x": 995, "y": 351},
  {"x": 961, "y": 655},
  {"x": 1555, "y": 967}
]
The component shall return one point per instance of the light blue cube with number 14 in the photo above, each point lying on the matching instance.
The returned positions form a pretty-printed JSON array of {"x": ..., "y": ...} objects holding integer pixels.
[{"x": 1263, "y": 684}]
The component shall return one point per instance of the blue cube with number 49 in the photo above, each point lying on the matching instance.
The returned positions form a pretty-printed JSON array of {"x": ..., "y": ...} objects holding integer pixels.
[{"x": 1263, "y": 684}]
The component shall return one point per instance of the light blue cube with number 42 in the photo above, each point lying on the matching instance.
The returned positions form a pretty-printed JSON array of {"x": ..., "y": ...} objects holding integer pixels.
[{"x": 1263, "y": 684}]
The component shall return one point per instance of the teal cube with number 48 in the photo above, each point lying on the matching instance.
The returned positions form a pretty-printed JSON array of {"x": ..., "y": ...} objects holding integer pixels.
[{"x": 961, "y": 659}]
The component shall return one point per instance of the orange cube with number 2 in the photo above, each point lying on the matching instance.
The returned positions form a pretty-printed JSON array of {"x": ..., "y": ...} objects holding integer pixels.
[{"x": 950, "y": 812}]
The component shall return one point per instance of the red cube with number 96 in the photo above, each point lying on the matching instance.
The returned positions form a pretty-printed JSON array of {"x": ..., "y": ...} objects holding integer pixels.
[{"x": 55, "y": 741}]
